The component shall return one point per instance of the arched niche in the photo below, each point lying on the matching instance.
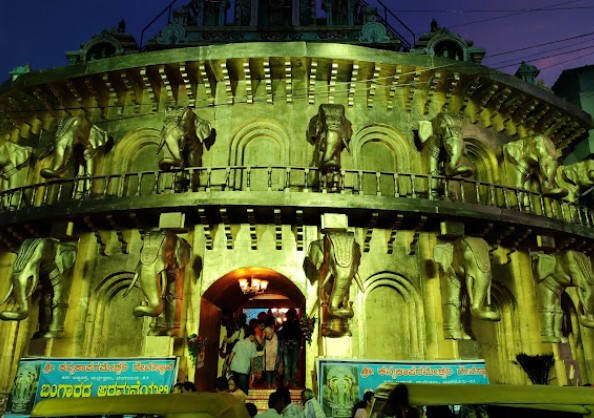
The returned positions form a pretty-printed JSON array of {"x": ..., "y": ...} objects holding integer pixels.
[
  {"x": 383, "y": 148},
  {"x": 449, "y": 48},
  {"x": 138, "y": 151},
  {"x": 499, "y": 342},
  {"x": 392, "y": 306},
  {"x": 261, "y": 143},
  {"x": 486, "y": 168},
  {"x": 482, "y": 159},
  {"x": 115, "y": 331}
]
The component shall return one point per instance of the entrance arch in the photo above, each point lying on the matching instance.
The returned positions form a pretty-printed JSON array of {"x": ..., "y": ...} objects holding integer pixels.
[{"x": 225, "y": 296}]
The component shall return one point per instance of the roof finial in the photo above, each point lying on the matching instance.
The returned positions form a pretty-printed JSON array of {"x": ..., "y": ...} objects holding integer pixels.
[{"x": 434, "y": 25}]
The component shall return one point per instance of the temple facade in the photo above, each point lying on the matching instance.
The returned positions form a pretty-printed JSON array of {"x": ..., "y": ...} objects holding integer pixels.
[{"x": 414, "y": 202}]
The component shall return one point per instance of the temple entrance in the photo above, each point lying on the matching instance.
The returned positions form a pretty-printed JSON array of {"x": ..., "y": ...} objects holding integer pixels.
[{"x": 257, "y": 294}]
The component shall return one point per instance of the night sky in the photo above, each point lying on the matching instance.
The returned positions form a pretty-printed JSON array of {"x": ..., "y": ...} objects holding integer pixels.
[{"x": 40, "y": 32}]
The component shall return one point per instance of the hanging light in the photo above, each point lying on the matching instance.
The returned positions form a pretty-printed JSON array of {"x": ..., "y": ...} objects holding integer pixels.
[{"x": 253, "y": 285}]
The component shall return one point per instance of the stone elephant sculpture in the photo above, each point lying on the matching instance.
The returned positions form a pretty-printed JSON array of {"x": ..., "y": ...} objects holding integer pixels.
[
  {"x": 554, "y": 273},
  {"x": 443, "y": 145},
  {"x": 330, "y": 132},
  {"x": 13, "y": 157},
  {"x": 160, "y": 273},
  {"x": 41, "y": 265},
  {"x": 185, "y": 135},
  {"x": 534, "y": 158},
  {"x": 576, "y": 178},
  {"x": 336, "y": 260},
  {"x": 465, "y": 263},
  {"x": 78, "y": 140}
]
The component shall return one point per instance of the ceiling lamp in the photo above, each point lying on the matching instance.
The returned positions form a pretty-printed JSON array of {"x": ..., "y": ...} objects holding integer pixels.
[{"x": 253, "y": 285}]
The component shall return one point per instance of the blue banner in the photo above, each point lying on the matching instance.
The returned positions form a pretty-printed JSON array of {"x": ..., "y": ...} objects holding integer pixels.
[
  {"x": 342, "y": 383},
  {"x": 39, "y": 379}
]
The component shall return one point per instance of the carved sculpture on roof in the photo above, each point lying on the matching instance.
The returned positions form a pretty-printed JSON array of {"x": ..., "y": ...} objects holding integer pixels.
[
  {"x": 465, "y": 264},
  {"x": 554, "y": 273},
  {"x": 19, "y": 71},
  {"x": 40, "y": 269},
  {"x": 443, "y": 145},
  {"x": 335, "y": 260},
  {"x": 330, "y": 132},
  {"x": 534, "y": 158},
  {"x": 373, "y": 32},
  {"x": 440, "y": 42},
  {"x": 160, "y": 273},
  {"x": 108, "y": 43},
  {"x": 174, "y": 33},
  {"x": 185, "y": 135},
  {"x": 77, "y": 141}
]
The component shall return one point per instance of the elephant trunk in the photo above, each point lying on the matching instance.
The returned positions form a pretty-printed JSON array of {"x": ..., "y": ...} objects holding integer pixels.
[
  {"x": 586, "y": 297},
  {"x": 22, "y": 311},
  {"x": 339, "y": 305},
  {"x": 330, "y": 154},
  {"x": 150, "y": 281}
]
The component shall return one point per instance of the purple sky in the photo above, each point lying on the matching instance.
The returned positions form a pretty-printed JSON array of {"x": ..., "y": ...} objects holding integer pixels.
[{"x": 40, "y": 32}]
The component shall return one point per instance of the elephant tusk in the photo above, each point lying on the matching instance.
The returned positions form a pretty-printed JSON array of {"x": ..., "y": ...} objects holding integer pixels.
[
  {"x": 33, "y": 286},
  {"x": 129, "y": 289},
  {"x": 325, "y": 281},
  {"x": 7, "y": 295},
  {"x": 161, "y": 144},
  {"x": 359, "y": 282}
]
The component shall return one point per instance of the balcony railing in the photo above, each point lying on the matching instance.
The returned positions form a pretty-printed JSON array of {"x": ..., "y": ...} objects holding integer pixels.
[{"x": 292, "y": 180}]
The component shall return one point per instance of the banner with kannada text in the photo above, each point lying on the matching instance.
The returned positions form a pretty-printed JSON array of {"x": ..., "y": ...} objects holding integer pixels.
[
  {"x": 42, "y": 378},
  {"x": 342, "y": 383}
]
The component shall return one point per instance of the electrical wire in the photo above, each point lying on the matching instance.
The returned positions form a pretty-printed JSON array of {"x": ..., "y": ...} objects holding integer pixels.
[
  {"x": 537, "y": 56},
  {"x": 511, "y": 51},
  {"x": 546, "y": 56},
  {"x": 508, "y": 15}
]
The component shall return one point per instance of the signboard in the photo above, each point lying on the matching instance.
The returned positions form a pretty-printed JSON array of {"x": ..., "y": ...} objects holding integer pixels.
[
  {"x": 342, "y": 383},
  {"x": 42, "y": 378}
]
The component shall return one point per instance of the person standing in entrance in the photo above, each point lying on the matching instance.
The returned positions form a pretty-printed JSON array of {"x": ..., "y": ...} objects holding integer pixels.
[
  {"x": 291, "y": 335},
  {"x": 271, "y": 356},
  {"x": 241, "y": 361}
]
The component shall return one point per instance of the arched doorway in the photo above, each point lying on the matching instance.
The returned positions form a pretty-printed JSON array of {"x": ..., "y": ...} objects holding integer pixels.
[{"x": 225, "y": 297}]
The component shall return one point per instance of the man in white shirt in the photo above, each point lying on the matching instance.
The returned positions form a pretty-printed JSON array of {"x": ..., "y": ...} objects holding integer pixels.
[
  {"x": 241, "y": 360},
  {"x": 275, "y": 406}
]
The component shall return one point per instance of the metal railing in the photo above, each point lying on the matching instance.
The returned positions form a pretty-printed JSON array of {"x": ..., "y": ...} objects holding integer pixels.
[
  {"x": 293, "y": 180},
  {"x": 167, "y": 10}
]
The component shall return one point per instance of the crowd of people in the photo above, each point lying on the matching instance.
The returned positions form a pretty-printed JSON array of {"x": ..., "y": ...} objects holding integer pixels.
[
  {"x": 281, "y": 405},
  {"x": 265, "y": 352}
]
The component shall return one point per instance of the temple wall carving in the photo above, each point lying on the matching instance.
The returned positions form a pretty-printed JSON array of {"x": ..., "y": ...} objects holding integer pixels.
[{"x": 313, "y": 119}]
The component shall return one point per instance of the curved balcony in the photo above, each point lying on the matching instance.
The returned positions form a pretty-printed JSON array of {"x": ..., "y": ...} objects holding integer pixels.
[{"x": 372, "y": 199}]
